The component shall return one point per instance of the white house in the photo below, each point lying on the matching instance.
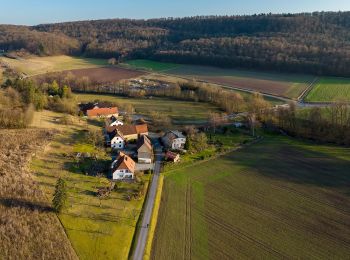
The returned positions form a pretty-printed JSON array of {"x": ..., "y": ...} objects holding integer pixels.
[
  {"x": 123, "y": 168},
  {"x": 174, "y": 140},
  {"x": 117, "y": 140},
  {"x": 113, "y": 121}
]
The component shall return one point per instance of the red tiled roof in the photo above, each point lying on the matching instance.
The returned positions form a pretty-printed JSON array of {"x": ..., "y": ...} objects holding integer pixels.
[
  {"x": 105, "y": 111},
  {"x": 124, "y": 162}
]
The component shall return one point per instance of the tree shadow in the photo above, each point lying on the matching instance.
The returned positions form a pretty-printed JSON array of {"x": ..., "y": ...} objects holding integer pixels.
[
  {"x": 295, "y": 164},
  {"x": 21, "y": 203}
]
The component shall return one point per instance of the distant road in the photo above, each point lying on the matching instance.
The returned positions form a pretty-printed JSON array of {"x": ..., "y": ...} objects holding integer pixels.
[{"x": 147, "y": 212}]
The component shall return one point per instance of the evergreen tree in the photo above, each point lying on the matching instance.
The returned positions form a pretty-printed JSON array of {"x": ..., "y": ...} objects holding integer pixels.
[
  {"x": 60, "y": 195},
  {"x": 188, "y": 144}
]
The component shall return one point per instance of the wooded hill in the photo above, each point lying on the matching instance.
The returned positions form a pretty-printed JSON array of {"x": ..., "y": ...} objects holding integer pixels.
[{"x": 317, "y": 43}]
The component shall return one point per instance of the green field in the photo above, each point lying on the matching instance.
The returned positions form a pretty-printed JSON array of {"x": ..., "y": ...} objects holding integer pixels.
[
  {"x": 279, "y": 84},
  {"x": 151, "y": 65},
  {"x": 181, "y": 112},
  {"x": 330, "y": 90},
  {"x": 97, "y": 229},
  {"x": 275, "y": 199},
  {"x": 41, "y": 65}
]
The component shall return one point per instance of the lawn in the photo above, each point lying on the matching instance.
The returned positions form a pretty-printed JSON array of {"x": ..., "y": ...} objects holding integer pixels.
[
  {"x": 279, "y": 84},
  {"x": 181, "y": 112},
  {"x": 41, "y": 65},
  {"x": 330, "y": 90},
  {"x": 97, "y": 229},
  {"x": 276, "y": 199}
]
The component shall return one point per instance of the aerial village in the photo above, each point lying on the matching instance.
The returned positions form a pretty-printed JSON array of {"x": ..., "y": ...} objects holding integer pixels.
[{"x": 133, "y": 146}]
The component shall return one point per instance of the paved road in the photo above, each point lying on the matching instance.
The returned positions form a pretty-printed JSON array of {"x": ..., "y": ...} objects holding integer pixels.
[{"x": 147, "y": 213}]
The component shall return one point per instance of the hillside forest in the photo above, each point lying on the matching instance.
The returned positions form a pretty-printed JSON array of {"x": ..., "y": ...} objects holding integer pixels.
[{"x": 315, "y": 43}]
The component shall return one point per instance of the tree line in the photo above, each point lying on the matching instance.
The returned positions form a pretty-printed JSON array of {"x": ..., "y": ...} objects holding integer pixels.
[
  {"x": 326, "y": 125},
  {"x": 316, "y": 43}
]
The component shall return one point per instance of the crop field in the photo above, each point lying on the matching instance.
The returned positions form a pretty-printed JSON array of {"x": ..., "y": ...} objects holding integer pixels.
[
  {"x": 290, "y": 201},
  {"x": 106, "y": 74},
  {"x": 181, "y": 112},
  {"x": 97, "y": 228},
  {"x": 151, "y": 65},
  {"x": 330, "y": 90},
  {"x": 279, "y": 84},
  {"x": 41, "y": 65}
]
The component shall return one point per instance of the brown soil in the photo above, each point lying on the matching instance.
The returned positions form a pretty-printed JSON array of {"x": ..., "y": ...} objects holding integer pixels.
[
  {"x": 106, "y": 74},
  {"x": 259, "y": 85}
]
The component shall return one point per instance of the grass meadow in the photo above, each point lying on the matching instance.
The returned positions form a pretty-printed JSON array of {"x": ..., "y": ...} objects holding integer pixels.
[
  {"x": 276, "y": 199},
  {"x": 181, "y": 112},
  {"x": 97, "y": 229},
  {"x": 330, "y": 90},
  {"x": 41, "y": 65}
]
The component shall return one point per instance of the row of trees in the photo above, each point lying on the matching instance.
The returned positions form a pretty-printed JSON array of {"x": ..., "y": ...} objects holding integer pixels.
[{"x": 331, "y": 124}]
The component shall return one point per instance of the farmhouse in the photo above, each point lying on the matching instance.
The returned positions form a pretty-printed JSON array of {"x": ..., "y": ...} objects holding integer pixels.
[
  {"x": 173, "y": 157},
  {"x": 102, "y": 112},
  {"x": 144, "y": 149},
  {"x": 174, "y": 140},
  {"x": 130, "y": 132},
  {"x": 123, "y": 168},
  {"x": 117, "y": 140},
  {"x": 113, "y": 121}
]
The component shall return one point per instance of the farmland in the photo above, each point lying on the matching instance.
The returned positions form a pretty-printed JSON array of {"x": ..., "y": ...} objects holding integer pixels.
[
  {"x": 105, "y": 74},
  {"x": 41, "y": 65},
  {"x": 330, "y": 90},
  {"x": 291, "y": 201},
  {"x": 279, "y": 84},
  {"x": 97, "y": 228},
  {"x": 181, "y": 112}
]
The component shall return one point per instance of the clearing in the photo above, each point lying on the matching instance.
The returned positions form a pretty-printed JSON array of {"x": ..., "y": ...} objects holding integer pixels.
[
  {"x": 330, "y": 90},
  {"x": 40, "y": 65},
  {"x": 181, "y": 112},
  {"x": 279, "y": 84},
  {"x": 97, "y": 228},
  {"x": 276, "y": 199}
]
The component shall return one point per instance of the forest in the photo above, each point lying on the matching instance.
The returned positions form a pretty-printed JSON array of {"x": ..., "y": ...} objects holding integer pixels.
[{"x": 315, "y": 43}]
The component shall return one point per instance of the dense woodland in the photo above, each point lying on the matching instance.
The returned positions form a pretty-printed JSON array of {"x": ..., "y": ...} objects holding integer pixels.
[{"x": 317, "y": 43}]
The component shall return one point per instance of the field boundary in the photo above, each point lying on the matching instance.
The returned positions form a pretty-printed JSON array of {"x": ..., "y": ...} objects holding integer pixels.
[
  {"x": 254, "y": 141},
  {"x": 154, "y": 219},
  {"x": 303, "y": 95}
]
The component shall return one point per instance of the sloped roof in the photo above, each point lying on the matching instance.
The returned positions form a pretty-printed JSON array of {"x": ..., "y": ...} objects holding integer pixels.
[
  {"x": 171, "y": 155},
  {"x": 144, "y": 140},
  {"x": 102, "y": 111},
  {"x": 129, "y": 129},
  {"x": 123, "y": 162},
  {"x": 114, "y": 134}
]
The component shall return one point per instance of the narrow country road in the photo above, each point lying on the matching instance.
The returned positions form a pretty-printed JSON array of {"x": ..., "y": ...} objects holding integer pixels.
[{"x": 147, "y": 212}]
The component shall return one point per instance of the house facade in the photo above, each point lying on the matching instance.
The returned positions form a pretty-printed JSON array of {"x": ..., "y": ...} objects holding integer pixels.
[
  {"x": 144, "y": 150},
  {"x": 117, "y": 140},
  {"x": 123, "y": 168},
  {"x": 174, "y": 140}
]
